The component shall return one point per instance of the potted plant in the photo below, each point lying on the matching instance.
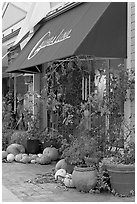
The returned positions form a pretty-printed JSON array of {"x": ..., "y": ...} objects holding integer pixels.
[
  {"x": 119, "y": 158},
  {"x": 32, "y": 137},
  {"x": 51, "y": 138},
  {"x": 120, "y": 166},
  {"x": 83, "y": 146}
]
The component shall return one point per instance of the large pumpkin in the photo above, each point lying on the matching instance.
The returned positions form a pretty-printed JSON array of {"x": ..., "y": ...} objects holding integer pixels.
[
  {"x": 61, "y": 164},
  {"x": 52, "y": 152},
  {"x": 10, "y": 157},
  {"x": 4, "y": 154},
  {"x": 15, "y": 149}
]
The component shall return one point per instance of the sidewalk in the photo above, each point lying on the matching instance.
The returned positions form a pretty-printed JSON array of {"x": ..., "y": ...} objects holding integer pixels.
[
  {"x": 8, "y": 196},
  {"x": 15, "y": 174}
]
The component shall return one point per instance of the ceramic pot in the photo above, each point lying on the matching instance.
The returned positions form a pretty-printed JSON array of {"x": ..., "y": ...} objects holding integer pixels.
[
  {"x": 122, "y": 178},
  {"x": 33, "y": 146},
  {"x": 84, "y": 178}
]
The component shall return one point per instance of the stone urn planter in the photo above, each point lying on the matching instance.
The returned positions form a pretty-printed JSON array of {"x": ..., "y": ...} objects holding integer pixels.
[
  {"x": 84, "y": 178},
  {"x": 122, "y": 178}
]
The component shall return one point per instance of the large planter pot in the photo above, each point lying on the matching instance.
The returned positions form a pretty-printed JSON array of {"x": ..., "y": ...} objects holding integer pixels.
[
  {"x": 84, "y": 178},
  {"x": 122, "y": 178},
  {"x": 33, "y": 146}
]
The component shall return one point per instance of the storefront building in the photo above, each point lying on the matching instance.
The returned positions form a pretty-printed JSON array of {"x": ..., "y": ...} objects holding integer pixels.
[{"x": 88, "y": 31}]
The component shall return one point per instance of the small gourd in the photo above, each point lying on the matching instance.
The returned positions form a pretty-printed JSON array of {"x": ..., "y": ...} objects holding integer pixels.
[
  {"x": 44, "y": 159},
  {"x": 10, "y": 157},
  {"x": 60, "y": 174},
  {"x": 33, "y": 161},
  {"x": 24, "y": 155},
  {"x": 40, "y": 155},
  {"x": 68, "y": 182},
  {"x": 33, "y": 156},
  {"x": 37, "y": 160},
  {"x": 25, "y": 159},
  {"x": 18, "y": 157}
]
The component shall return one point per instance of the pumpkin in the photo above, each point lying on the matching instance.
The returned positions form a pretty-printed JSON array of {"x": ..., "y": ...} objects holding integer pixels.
[
  {"x": 60, "y": 174},
  {"x": 40, "y": 155},
  {"x": 25, "y": 159},
  {"x": 68, "y": 182},
  {"x": 33, "y": 156},
  {"x": 10, "y": 157},
  {"x": 44, "y": 159},
  {"x": 15, "y": 149},
  {"x": 61, "y": 164},
  {"x": 18, "y": 157},
  {"x": 37, "y": 160},
  {"x": 33, "y": 161},
  {"x": 52, "y": 152},
  {"x": 4, "y": 154},
  {"x": 24, "y": 155}
]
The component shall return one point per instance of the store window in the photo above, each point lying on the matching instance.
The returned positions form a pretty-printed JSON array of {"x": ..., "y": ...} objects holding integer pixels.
[
  {"x": 28, "y": 96},
  {"x": 109, "y": 77},
  {"x": 72, "y": 83}
]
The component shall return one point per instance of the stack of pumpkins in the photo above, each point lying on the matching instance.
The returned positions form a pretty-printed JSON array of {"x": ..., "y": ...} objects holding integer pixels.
[
  {"x": 16, "y": 152},
  {"x": 63, "y": 172}
]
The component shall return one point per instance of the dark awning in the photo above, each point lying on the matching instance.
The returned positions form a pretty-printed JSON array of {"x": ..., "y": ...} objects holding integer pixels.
[{"x": 95, "y": 28}]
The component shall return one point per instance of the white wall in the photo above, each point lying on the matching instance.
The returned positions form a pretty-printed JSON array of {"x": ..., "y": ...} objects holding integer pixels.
[{"x": 130, "y": 105}]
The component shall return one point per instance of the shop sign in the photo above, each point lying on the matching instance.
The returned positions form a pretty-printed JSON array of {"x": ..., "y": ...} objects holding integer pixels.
[{"x": 48, "y": 40}]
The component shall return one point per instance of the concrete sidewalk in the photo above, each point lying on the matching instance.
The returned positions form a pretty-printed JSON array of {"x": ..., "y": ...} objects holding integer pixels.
[
  {"x": 15, "y": 174},
  {"x": 8, "y": 196}
]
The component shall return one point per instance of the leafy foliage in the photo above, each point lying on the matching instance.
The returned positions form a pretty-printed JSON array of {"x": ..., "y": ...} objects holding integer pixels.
[
  {"x": 84, "y": 144},
  {"x": 8, "y": 120}
]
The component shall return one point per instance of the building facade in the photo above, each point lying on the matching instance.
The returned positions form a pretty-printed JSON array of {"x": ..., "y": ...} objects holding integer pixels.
[
  {"x": 15, "y": 17},
  {"x": 106, "y": 50}
]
